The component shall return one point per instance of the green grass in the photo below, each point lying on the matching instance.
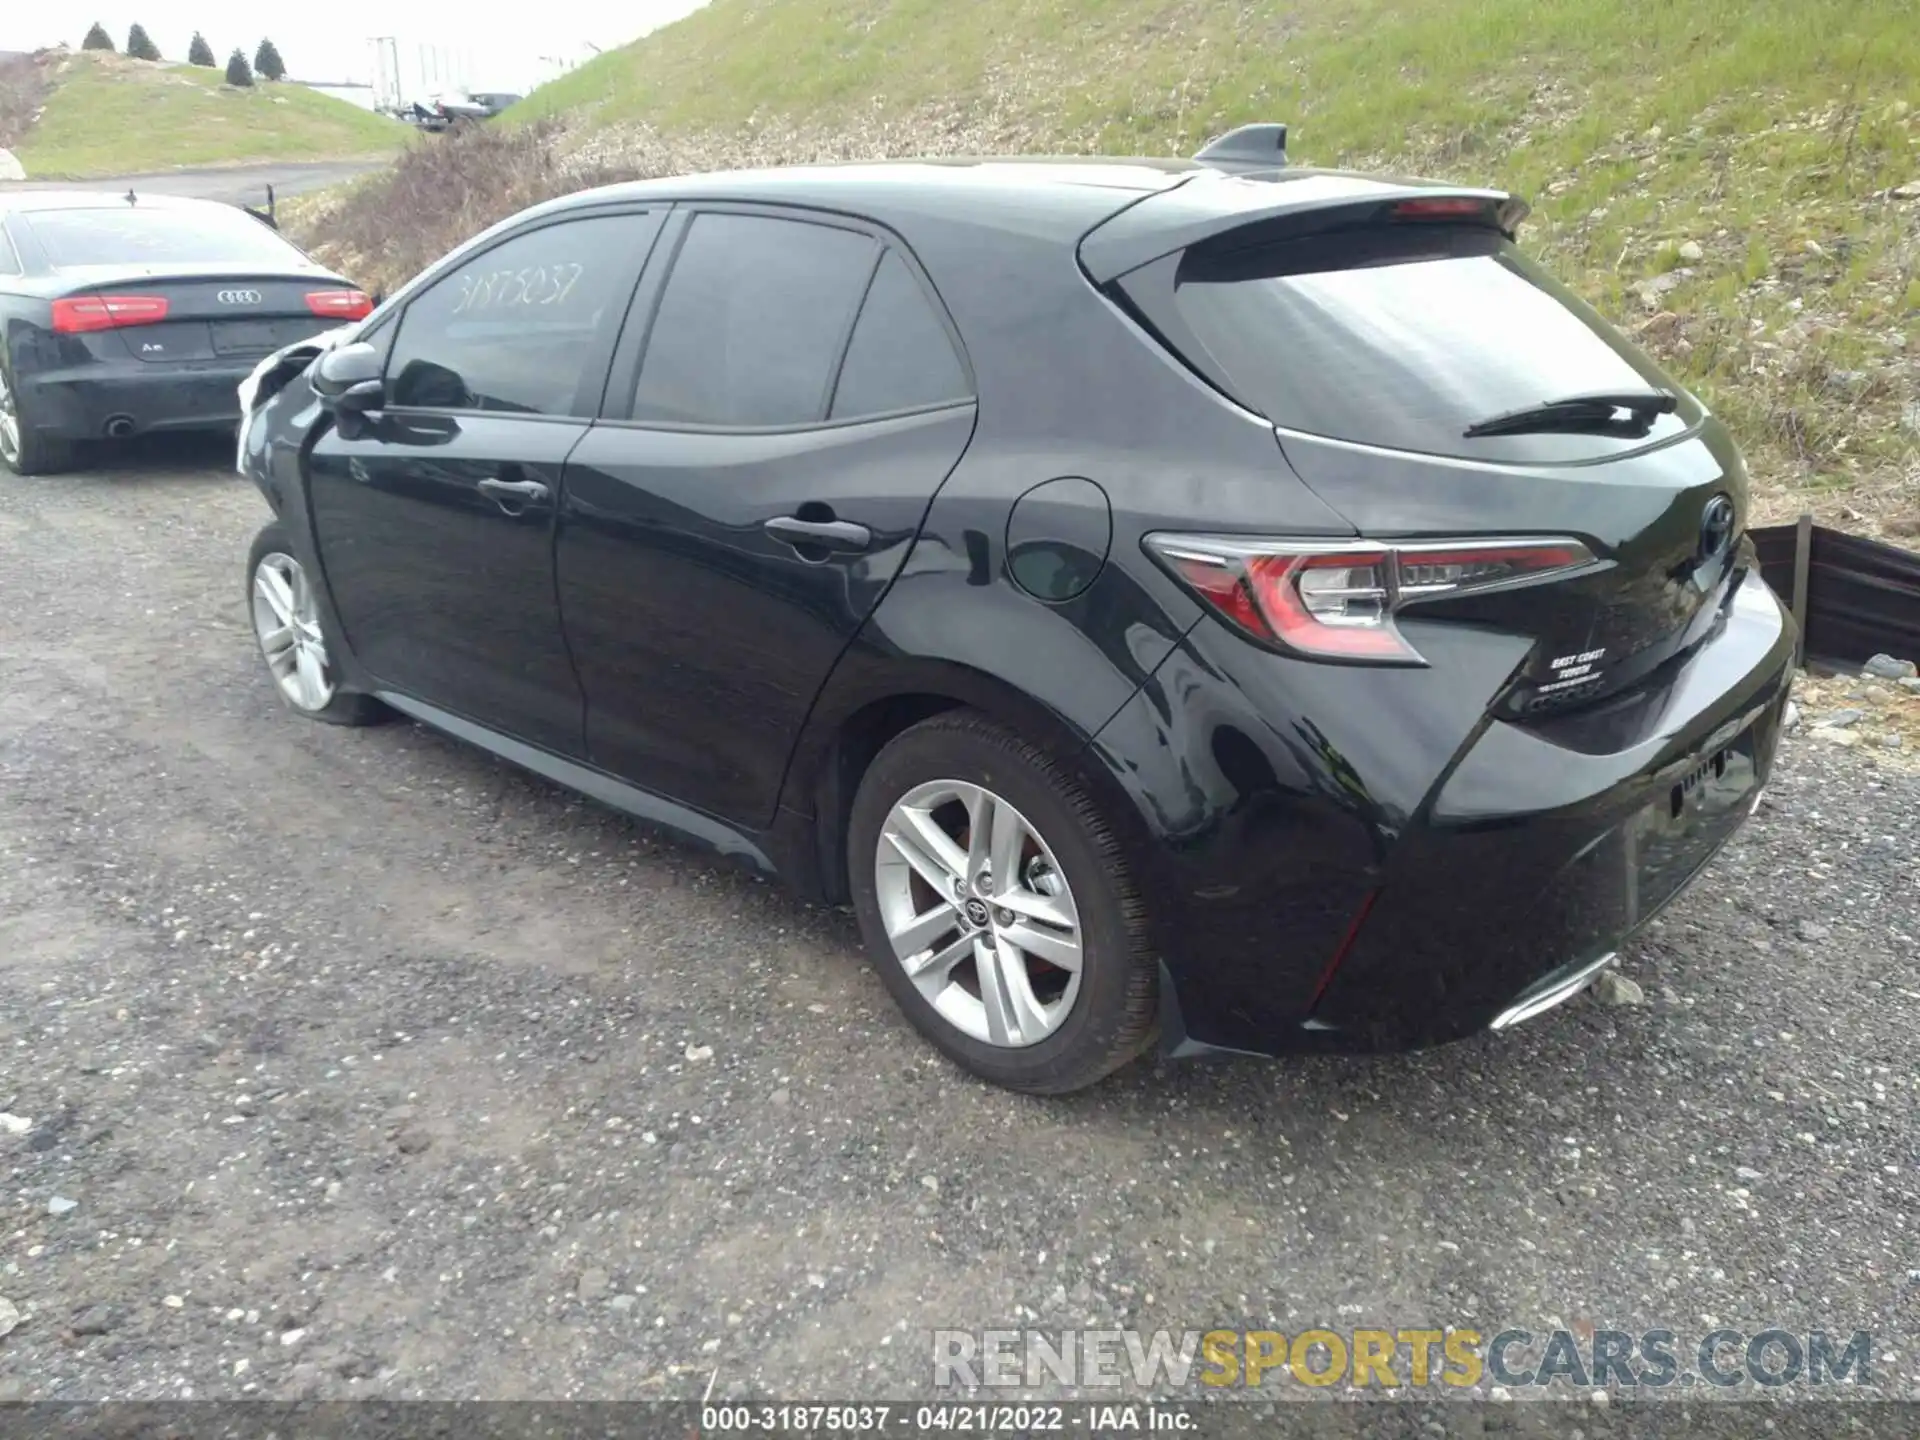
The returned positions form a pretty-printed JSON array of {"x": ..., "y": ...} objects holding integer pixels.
[
  {"x": 1764, "y": 131},
  {"x": 112, "y": 116}
]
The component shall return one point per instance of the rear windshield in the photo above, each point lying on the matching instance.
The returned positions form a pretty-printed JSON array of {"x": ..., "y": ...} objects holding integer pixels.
[
  {"x": 129, "y": 235},
  {"x": 1404, "y": 338}
]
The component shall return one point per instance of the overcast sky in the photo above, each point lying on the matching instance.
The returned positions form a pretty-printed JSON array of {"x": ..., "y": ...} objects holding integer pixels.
[{"x": 490, "y": 49}]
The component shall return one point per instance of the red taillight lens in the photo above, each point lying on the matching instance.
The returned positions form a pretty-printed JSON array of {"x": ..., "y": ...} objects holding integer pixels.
[
  {"x": 1337, "y": 600},
  {"x": 81, "y": 313},
  {"x": 340, "y": 304}
]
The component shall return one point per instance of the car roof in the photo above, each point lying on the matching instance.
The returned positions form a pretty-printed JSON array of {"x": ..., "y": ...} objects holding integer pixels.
[
  {"x": 27, "y": 202},
  {"x": 1060, "y": 197}
]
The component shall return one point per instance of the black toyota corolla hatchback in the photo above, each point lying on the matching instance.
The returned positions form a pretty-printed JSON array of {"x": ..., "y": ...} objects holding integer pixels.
[{"x": 1246, "y": 604}]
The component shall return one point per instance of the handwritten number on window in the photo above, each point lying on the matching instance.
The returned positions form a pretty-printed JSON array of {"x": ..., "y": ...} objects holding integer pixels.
[{"x": 534, "y": 286}]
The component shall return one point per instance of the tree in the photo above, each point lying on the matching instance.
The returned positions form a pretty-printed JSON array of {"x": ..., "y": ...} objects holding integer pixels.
[
  {"x": 267, "y": 63},
  {"x": 199, "y": 52},
  {"x": 97, "y": 39},
  {"x": 238, "y": 71},
  {"x": 140, "y": 46}
]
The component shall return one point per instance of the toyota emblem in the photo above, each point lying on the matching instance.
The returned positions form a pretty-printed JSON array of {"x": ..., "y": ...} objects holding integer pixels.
[
  {"x": 1716, "y": 527},
  {"x": 238, "y": 297}
]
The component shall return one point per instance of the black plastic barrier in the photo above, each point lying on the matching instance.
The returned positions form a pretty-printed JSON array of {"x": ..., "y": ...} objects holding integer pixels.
[{"x": 1862, "y": 596}]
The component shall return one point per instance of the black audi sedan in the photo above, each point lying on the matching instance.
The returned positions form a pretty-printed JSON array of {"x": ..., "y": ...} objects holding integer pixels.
[
  {"x": 1243, "y": 604},
  {"x": 121, "y": 314}
]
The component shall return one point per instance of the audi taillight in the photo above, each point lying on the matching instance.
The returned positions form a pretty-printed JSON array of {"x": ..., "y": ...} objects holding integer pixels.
[
  {"x": 78, "y": 314},
  {"x": 1337, "y": 600},
  {"x": 340, "y": 304}
]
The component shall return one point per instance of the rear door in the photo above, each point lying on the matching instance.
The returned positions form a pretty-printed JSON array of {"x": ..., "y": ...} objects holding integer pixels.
[
  {"x": 434, "y": 518},
  {"x": 760, "y": 475}
]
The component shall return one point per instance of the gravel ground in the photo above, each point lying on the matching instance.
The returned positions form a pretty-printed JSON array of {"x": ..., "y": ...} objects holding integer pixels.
[{"x": 371, "y": 1066}]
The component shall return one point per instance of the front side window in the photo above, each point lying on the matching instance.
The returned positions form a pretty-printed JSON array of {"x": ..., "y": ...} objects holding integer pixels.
[
  {"x": 752, "y": 323},
  {"x": 516, "y": 328}
]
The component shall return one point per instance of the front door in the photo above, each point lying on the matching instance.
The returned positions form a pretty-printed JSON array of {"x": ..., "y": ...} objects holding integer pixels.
[
  {"x": 434, "y": 516},
  {"x": 732, "y": 522}
]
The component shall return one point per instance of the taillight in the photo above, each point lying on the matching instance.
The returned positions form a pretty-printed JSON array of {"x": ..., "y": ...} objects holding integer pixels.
[
  {"x": 1337, "y": 600},
  {"x": 340, "y": 304},
  {"x": 80, "y": 313}
]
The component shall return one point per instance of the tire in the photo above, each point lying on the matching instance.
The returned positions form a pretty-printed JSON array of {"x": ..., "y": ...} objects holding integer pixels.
[
  {"x": 307, "y": 683},
  {"x": 1061, "y": 1030},
  {"x": 24, "y": 450}
]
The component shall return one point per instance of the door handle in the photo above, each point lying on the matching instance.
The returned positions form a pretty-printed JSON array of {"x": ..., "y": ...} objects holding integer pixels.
[
  {"x": 840, "y": 535},
  {"x": 512, "y": 496}
]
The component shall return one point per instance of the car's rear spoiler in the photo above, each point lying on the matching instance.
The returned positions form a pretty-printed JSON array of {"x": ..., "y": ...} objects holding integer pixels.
[{"x": 1247, "y": 182}]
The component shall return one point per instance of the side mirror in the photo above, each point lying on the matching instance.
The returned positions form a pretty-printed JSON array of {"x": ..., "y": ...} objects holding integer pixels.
[{"x": 347, "y": 377}]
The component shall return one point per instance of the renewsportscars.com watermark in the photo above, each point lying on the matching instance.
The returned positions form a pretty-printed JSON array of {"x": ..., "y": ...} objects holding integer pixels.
[{"x": 1377, "y": 1360}]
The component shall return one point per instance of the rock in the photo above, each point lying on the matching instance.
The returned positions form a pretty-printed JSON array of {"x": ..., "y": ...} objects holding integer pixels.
[
  {"x": 624, "y": 1302},
  {"x": 780, "y": 1097},
  {"x": 931, "y": 1182},
  {"x": 1910, "y": 419},
  {"x": 1654, "y": 287},
  {"x": 1846, "y": 739},
  {"x": 10, "y": 166},
  {"x": 697, "y": 1053},
  {"x": 1849, "y": 382},
  {"x": 1840, "y": 719},
  {"x": 1813, "y": 930},
  {"x": 1911, "y": 683},
  {"x": 1613, "y": 988},
  {"x": 1747, "y": 1172},
  {"x": 14, "y": 1124},
  {"x": 1885, "y": 667},
  {"x": 1791, "y": 719},
  {"x": 1691, "y": 252},
  {"x": 1891, "y": 740},
  {"x": 98, "y": 1320},
  {"x": 412, "y": 1140},
  {"x": 60, "y": 1205},
  {"x": 1873, "y": 691},
  {"x": 292, "y": 1337},
  {"x": 1908, "y": 191},
  {"x": 173, "y": 1302},
  {"x": 592, "y": 1284},
  {"x": 1658, "y": 327},
  {"x": 9, "y": 1316}
]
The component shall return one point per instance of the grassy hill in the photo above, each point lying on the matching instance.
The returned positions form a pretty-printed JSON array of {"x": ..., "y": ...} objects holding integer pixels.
[
  {"x": 107, "y": 115},
  {"x": 1736, "y": 180}
]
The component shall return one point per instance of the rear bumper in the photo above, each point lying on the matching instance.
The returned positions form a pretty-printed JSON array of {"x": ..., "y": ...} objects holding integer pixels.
[
  {"x": 1538, "y": 851},
  {"x": 81, "y": 402}
]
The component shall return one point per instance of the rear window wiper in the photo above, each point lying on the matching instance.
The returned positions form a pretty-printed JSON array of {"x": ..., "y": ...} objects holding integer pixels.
[{"x": 1598, "y": 414}]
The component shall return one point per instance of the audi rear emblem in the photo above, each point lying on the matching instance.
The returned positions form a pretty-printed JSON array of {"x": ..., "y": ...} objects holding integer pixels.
[{"x": 238, "y": 297}]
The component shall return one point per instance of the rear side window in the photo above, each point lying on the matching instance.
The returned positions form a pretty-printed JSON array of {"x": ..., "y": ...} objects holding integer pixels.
[
  {"x": 1403, "y": 338},
  {"x": 900, "y": 357},
  {"x": 752, "y": 322},
  {"x": 9, "y": 261},
  {"x": 516, "y": 328},
  {"x": 130, "y": 235}
]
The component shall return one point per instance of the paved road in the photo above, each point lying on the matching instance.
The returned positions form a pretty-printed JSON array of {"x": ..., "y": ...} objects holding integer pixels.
[
  {"x": 377, "y": 1067},
  {"x": 233, "y": 183}
]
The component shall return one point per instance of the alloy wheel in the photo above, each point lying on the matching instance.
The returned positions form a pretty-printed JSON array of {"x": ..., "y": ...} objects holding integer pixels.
[
  {"x": 979, "y": 913},
  {"x": 287, "y": 621},
  {"x": 9, "y": 422}
]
